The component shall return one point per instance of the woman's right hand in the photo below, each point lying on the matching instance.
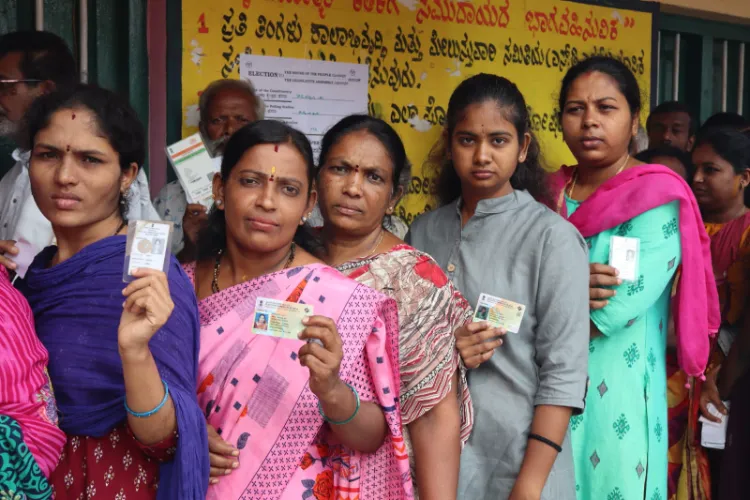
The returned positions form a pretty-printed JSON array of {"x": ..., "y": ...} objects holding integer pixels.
[
  {"x": 710, "y": 394},
  {"x": 601, "y": 275},
  {"x": 222, "y": 455},
  {"x": 476, "y": 342},
  {"x": 8, "y": 247}
]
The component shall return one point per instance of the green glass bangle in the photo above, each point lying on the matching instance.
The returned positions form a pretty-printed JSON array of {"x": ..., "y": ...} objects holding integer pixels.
[{"x": 342, "y": 422}]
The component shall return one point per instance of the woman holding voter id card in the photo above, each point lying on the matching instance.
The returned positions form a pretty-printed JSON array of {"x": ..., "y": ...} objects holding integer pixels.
[
  {"x": 122, "y": 357},
  {"x": 304, "y": 402},
  {"x": 362, "y": 173},
  {"x": 524, "y": 270},
  {"x": 648, "y": 213},
  {"x": 720, "y": 184}
]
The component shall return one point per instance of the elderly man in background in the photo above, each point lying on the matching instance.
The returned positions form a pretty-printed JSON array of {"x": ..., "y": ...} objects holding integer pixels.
[{"x": 225, "y": 106}]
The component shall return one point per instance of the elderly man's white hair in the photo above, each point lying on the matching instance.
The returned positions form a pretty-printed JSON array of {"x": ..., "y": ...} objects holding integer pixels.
[{"x": 217, "y": 86}]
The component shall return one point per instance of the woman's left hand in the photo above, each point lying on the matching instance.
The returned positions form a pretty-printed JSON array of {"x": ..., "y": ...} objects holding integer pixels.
[
  {"x": 323, "y": 361},
  {"x": 147, "y": 308},
  {"x": 710, "y": 394}
]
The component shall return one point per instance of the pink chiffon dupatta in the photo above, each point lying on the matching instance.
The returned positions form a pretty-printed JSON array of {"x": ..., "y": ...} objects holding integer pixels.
[{"x": 695, "y": 306}]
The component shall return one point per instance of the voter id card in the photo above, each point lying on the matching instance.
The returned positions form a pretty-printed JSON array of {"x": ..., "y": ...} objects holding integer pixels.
[
  {"x": 499, "y": 313},
  {"x": 279, "y": 318},
  {"x": 148, "y": 247},
  {"x": 623, "y": 256},
  {"x": 195, "y": 169}
]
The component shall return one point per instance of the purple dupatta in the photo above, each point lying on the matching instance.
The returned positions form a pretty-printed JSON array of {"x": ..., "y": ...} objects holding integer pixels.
[{"x": 77, "y": 306}]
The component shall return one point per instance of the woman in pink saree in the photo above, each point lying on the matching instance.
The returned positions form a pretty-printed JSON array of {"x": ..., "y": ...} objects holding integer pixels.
[{"x": 308, "y": 417}]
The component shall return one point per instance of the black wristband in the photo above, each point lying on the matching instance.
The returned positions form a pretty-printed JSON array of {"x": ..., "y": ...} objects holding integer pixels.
[{"x": 546, "y": 441}]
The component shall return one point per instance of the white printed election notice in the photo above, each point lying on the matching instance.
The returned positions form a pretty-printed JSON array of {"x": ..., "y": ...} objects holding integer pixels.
[
  {"x": 309, "y": 95},
  {"x": 147, "y": 246},
  {"x": 195, "y": 169}
]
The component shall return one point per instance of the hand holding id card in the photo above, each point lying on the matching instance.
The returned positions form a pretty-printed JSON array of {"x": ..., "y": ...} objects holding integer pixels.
[
  {"x": 195, "y": 169},
  {"x": 148, "y": 247},
  {"x": 623, "y": 256},
  {"x": 499, "y": 313},
  {"x": 278, "y": 318}
]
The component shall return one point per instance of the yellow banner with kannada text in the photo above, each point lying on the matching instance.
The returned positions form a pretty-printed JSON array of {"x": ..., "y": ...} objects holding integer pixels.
[{"x": 418, "y": 51}]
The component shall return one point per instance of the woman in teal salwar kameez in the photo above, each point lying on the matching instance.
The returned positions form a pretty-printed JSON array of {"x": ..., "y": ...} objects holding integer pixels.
[{"x": 620, "y": 441}]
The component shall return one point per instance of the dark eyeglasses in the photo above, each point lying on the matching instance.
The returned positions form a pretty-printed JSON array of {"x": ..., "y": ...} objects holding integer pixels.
[{"x": 8, "y": 87}]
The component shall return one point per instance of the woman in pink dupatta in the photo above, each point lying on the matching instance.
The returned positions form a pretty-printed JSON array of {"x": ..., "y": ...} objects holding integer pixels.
[
  {"x": 291, "y": 418},
  {"x": 30, "y": 440},
  {"x": 620, "y": 442}
]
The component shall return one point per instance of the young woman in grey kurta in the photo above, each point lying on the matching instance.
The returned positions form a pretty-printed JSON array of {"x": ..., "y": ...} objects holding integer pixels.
[{"x": 494, "y": 238}]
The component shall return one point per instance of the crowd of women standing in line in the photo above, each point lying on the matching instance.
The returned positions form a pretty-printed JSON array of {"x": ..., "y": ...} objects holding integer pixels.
[{"x": 400, "y": 395}]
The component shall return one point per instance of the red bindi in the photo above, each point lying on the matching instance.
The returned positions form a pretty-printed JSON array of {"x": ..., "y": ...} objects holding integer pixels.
[
  {"x": 73, "y": 116},
  {"x": 356, "y": 168},
  {"x": 276, "y": 148},
  {"x": 67, "y": 148}
]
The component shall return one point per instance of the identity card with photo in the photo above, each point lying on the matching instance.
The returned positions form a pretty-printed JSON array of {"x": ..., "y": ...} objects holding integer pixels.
[
  {"x": 279, "y": 318},
  {"x": 148, "y": 246},
  {"x": 624, "y": 255},
  {"x": 195, "y": 169},
  {"x": 499, "y": 313}
]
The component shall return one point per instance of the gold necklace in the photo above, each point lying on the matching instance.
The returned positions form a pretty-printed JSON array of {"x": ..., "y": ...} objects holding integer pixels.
[
  {"x": 217, "y": 267},
  {"x": 575, "y": 179},
  {"x": 376, "y": 245}
]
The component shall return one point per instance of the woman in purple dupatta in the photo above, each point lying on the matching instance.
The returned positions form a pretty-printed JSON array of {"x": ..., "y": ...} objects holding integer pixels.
[
  {"x": 298, "y": 408},
  {"x": 123, "y": 372}
]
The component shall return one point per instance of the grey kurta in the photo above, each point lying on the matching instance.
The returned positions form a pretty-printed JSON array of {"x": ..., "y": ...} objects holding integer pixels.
[{"x": 519, "y": 250}]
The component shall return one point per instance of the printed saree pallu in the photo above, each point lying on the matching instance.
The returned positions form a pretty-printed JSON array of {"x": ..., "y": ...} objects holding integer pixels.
[{"x": 256, "y": 394}]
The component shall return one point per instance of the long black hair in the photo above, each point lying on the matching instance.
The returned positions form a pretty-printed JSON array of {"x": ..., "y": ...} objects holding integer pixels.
[
  {"x": 680, "y": 155},
  {"x": 732, "y": 145},
  {"x": 529, "y": 175},
  {"x": 213, "y": 238},
  {"x": 729, "y": 143},
  {"x": 726, "y": 119}
]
